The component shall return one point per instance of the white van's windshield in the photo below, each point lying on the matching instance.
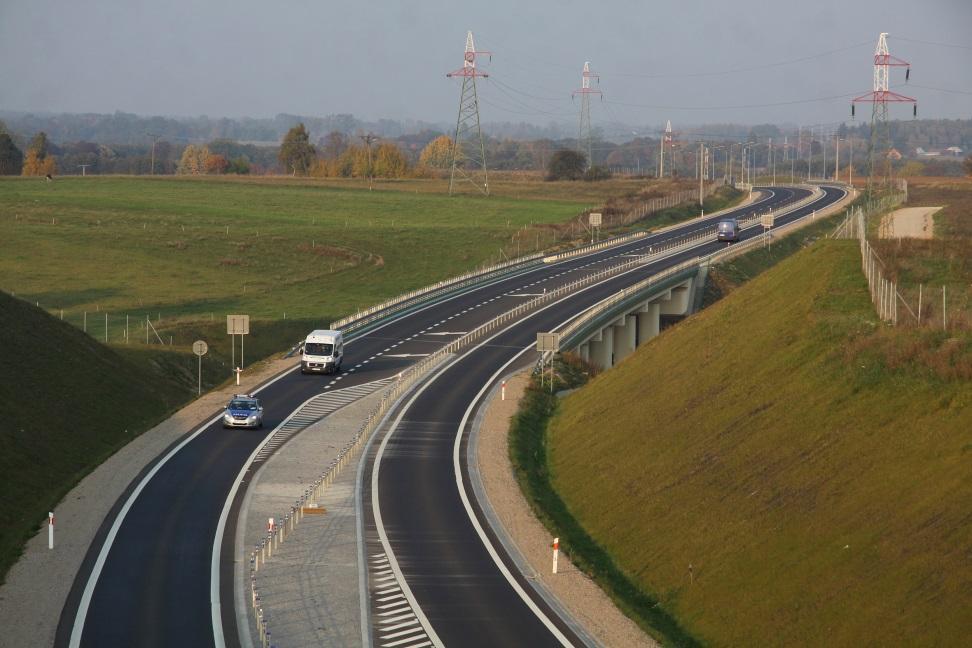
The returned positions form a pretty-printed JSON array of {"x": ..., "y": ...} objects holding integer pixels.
[{"x": 318, "y": 348}]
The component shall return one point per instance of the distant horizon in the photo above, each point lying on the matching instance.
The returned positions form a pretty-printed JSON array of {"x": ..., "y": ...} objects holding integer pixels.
[
  {"x": 566, "y": 127},
  {"x": 749, "y": 62}
]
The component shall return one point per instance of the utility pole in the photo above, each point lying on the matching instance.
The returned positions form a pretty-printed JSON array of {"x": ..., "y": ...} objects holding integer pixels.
[
  {"x": 850, "y": 168},
  {"x": 823, "y": 142},
  {"x": 469, "y": 148},
  {"x": 836, "y": 158},
  {"x": 368, "y": 139},
  {"x": 83, "y": 168},
  {"x": 701, "y": 175},
  {"x": 155, "y": 138},
  {"x": 772, "y": 154},
  {"x": 584, "y": 135},
  {"x": 879, "y": 98}
]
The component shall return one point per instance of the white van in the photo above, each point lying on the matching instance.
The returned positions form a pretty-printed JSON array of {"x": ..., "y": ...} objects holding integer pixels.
[{"x": 322, "y": 352}]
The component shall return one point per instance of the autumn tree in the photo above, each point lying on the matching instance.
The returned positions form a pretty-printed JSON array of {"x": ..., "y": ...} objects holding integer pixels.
[
  {"x": 38, "y": 161},
  {"x": 437, "y": 153},
  {"x": 389, "y": 161},
  {"x": 296, "y": 152},
  {"x": 968, "y": 165},
  {"x": 193, "y": 161},
  {"x": 333, "y": 145},
  {"x": 216, "y": 164},
  {"x": 11, "y": 157}
]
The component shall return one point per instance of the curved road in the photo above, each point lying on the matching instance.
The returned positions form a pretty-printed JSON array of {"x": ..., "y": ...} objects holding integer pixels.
[{"x": 146, "y": 580}]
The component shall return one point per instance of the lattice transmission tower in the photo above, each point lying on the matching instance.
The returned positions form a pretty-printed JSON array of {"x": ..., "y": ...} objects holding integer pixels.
[
  {"x": 879, "y": 146},
  {"x": 584, "y": 136},
  {"x": 468, "y": 147}
]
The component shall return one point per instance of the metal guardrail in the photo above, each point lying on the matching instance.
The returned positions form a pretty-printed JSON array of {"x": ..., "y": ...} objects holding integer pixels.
[
  {"x": 739, "y": 248},
  {"x": 405, "y": 300},
  {"x": 263, "y": 551}
]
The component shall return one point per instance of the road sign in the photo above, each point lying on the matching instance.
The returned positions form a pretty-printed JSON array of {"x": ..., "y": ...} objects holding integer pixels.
[
  {"x": 200, "y": 348},
  {"x": 594, "y": 219},
  {"x": 237, "y": 324},
  {"x": 548, "y": 342},
  {"x": 767, "y": 220}
]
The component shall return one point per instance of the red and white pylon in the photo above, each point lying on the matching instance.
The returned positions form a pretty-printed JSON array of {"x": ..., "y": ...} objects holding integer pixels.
[{"x": 880, "y": 97}]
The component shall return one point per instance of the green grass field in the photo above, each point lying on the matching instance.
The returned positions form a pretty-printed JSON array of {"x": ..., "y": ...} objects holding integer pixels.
[
  {"x": 812, "y": 472},
  {"x": 188, "y": 247}
]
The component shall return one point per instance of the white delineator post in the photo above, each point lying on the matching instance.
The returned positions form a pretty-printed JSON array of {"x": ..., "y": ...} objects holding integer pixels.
[
  {"x": 503, "y": 390},
  {"x": 50, "y": 530},
  {"x": 238, "y": 371},
  {"x": 556, "y": 553}
]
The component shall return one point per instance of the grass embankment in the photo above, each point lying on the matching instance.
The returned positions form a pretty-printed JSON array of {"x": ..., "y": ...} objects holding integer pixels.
[
  {"x": 726, "y": 276},
  {"x": 69, "y": 403},
  {"x": 774, "y": 477},
  {"x": 528, "y": 447}
]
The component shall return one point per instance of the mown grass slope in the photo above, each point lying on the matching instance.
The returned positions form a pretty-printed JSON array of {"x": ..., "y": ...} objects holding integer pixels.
[
  {"x": 68, "y": 403},
  {"x": 773, "y": 477}
]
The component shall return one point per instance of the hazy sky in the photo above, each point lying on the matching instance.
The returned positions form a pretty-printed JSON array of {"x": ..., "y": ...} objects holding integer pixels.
[{"x": 687, "y": 60}]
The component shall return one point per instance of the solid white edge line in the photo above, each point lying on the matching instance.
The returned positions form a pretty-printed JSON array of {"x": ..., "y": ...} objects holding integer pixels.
[
  {"x": 82, "y": 612},
  {"x": 383, "y": 536},
  {"x": 215, "y": 606}
]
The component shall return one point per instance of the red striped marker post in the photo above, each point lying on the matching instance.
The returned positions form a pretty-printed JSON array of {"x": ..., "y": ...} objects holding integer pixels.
[
  {"x": 503, "y": 390},
  {"x": 50, "y": 530},
  {"x": 556, "y": 553}
]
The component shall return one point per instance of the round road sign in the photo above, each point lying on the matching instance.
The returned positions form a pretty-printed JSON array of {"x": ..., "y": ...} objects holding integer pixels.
[{"x": 200, "y": 348}]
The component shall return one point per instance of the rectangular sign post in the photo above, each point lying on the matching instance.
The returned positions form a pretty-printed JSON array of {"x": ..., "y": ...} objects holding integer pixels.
[
  {"x": 547, "y": 343},
  {"x": 767, "y": 221},
  {"x": 237, "y": 325},
  {"x": 594, "y": 220}
]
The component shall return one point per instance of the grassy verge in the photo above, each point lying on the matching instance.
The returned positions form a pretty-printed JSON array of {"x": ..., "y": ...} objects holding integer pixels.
[
  {"x": 782, "y": 469},
  {"x": 528, "y": 454},
  {"x": 729, "y": 275},
  {"x": 69, "y": 403}
]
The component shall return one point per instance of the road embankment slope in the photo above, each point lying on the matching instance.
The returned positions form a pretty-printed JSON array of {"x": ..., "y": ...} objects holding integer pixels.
[
  {"x": 781, "y": 469},
  {"x": 68, "y": 403}
]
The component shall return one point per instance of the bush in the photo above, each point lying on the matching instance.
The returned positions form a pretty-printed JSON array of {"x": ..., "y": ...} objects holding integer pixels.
[{"x": 566, "y": 165}]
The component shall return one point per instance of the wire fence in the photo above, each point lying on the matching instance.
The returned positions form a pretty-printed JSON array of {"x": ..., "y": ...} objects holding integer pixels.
[{"x": 896, "y": 304}]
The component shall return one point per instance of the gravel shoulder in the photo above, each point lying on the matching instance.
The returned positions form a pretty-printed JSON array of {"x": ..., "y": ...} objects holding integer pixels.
[
  {"x": 910, "y": 222},
  {"x": 37, "y": 586},
  {"x": 577, "y": 593}
]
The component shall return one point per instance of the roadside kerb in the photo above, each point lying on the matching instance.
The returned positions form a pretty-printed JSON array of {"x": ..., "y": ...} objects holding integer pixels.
[{"x": 406, "y": 380}]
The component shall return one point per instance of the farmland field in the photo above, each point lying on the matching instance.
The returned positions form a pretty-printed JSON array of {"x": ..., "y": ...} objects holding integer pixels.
[{"x": 188, "y": 247}]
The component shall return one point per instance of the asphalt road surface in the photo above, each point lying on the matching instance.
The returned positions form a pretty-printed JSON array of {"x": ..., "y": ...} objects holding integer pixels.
[{"x": 146, "y": 579}]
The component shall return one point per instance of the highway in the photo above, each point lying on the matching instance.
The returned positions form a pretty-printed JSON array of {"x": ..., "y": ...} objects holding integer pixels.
[{"x": 147, "y": 579}]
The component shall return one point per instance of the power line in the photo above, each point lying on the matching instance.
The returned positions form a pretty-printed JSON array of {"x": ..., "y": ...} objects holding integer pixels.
[
  {"x": 754, "y": 68},
  {"x": 926, "y": 42},
  {"x": 737, "y": 106}
]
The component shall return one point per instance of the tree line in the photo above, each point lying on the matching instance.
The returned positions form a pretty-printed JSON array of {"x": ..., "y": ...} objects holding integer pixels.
[{"x": 426, "y": 152}]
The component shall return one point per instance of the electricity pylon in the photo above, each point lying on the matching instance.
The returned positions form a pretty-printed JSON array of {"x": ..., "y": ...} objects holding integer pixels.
[
  {"x": 468, "y": 147},
  {"x": 584, "y": 135},
  {"x": 880, "y": 142}
]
